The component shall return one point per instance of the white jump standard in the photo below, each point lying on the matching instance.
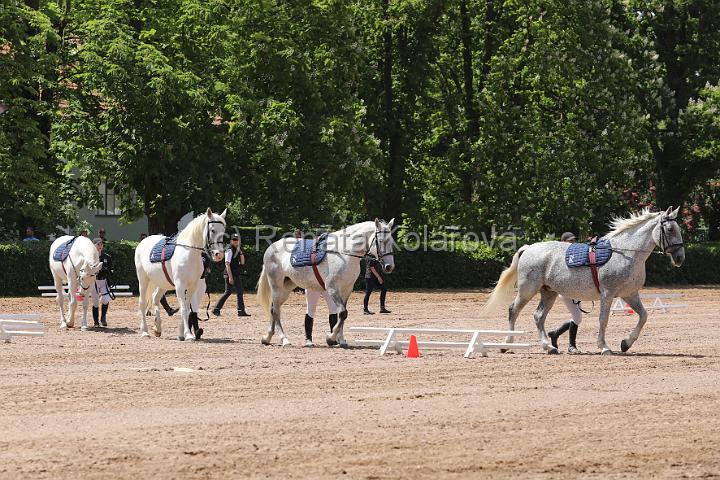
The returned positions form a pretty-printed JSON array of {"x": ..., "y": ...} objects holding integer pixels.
[
  {"x": 20, "y": 325},
  {"x": 472, "y": 345}
]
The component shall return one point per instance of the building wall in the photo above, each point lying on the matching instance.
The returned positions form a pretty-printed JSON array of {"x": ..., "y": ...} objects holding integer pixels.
[{"x": 114, "y": 229}]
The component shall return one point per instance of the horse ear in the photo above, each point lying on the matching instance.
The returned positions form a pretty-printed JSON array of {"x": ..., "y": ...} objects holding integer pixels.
[
  {"x": 390, "y": 223},
  {"x": 222, "y": 215},
  {"x": 675, "y": 212},
  {"x": 209, "y": 212},
  {"x": 377, "y": 224},
  {"x": 667, "y": 212}
]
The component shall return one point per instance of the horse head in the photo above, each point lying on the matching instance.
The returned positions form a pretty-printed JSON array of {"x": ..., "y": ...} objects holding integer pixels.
[
  {"x": 384, "y": 244},
  {"x": 668, "y": 237},
  {"x": 215, "y": 234}
]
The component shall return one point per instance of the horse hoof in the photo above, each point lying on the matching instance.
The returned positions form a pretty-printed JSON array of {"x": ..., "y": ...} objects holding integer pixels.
[
  {"x": 553, "y": 351},
  {"x": 330, "y": 341},
  {"x": 624, "y": 346},
  {"x": 503, "y": 350},
  {"x": 606, "y": 351},
  {"x": 181, "y": 338},
  {"x": 63, "y": 326},
  {"x": 157, "y": 334},
  {"x": 264, "y": 341},
  {"x": 285, "y": 342},
  {"x": 84, "y": 328},
  {"x": 144, "y": 334}
]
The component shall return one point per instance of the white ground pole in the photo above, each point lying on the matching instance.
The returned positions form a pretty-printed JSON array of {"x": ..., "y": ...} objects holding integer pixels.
[
  {"x": 20, "y": 325},
  {"x": 473, "y": 344},
  {"x": 660, "y": 302},
  {"x": 118, "y": 291}
]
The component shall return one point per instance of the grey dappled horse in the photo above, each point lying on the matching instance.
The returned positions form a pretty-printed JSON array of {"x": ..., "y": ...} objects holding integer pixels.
[
  {"x": 541, "y": 267},
  {"x": 340, "y": 269}
]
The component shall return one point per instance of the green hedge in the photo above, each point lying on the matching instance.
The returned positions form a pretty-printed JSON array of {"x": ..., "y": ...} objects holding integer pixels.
[{"x": 24, "y": 266}]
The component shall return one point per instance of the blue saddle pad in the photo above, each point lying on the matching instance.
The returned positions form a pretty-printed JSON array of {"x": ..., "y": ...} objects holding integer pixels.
[
  {"x": 300, "y": 256},
  {"x": 577, "y": 253},
  {"x": 63, "y": 250},
  {"x": 167, "y": 243}
]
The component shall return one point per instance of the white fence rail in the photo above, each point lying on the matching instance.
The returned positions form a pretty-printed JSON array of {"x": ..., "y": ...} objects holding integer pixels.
[
  {"x": 660, "y": 301},
  {"x": 472, "y": 343},
  {"x": 20, "y": 325},
  {"x": 118, "y": 291}
]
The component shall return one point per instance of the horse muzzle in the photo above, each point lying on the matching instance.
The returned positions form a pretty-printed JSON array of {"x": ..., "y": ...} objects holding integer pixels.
[
  {"x": 388, "y": 268},
  {"x": 677, "y": 259}
]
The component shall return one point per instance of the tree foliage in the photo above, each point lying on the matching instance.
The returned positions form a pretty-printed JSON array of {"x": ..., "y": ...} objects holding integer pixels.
[{"x": 537, "y": 115}]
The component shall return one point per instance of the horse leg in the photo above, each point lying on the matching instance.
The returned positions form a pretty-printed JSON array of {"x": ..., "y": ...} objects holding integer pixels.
[
  {"x": 60, "y": 300},
  {"x": 513, "y": 313},
  {"x": 605, "y": 305},
  {"x": 547, "y": 299},
  {"x": 156, "y": 296},
  {"x": 84, "y": 324},
  {"x": 183, "y": 299},
  {"x": 143, "y": 290},
  {"x": 279, "y": 296},
  {"x": 635, "y": 304},
  {"x": 72, "y": 288},
  {"x": 341, "y": 305}
]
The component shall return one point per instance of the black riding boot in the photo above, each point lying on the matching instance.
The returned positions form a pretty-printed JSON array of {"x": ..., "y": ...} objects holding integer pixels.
[
  {"x": 573, "y": 334},
  {"x": 332, "y": 319},
  {"x": 194, "y": 326},
  {"x": 103, "y": 316},
  {"x": 555, "y": 334},
  {"x": 96, "y": 316},
  {"x": 168, "y": 309},
  {"x": 308, "y": 330}
]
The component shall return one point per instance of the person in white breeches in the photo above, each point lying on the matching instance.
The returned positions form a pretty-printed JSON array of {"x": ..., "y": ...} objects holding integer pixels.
[
  {"x": 101, "y": 289},
  {"x": 574, "y": 309}
]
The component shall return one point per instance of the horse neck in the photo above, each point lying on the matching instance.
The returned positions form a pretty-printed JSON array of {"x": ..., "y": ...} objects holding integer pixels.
[
  {"x": 193, "y": 234},
  {"x": 87, "y": 253},
  {"x": 639, "y": 239},
  {"x": 350, "y": 238}
]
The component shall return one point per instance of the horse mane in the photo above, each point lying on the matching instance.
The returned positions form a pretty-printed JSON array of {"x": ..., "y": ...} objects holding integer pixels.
[
  {"x": 620, "y": 224},
  {"x": 193, "y": 230}
]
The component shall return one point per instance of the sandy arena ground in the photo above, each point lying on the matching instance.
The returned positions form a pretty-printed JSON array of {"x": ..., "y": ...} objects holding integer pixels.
[{"x": 108, "y": 404}]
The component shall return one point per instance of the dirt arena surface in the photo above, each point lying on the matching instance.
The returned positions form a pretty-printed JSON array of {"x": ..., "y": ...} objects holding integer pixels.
[{"x": 109, "y": 404}]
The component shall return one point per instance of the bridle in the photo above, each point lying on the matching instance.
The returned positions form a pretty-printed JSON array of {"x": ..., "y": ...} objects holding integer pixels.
[
  {"x": 665, "y": 244},
  {"x": 79, "y": 277},
  {"x": 208, "y": 243},
  {"x": 379, "y": 255}
]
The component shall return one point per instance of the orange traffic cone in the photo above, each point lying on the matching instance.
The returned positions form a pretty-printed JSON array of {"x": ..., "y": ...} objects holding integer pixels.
[{"x": 412, "y": 351}]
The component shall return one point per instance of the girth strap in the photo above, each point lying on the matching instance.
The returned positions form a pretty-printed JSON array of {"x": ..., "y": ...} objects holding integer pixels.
[
  {"x": 313, "y": 252},
  {"x": 592, "y": 257},
  {"x": 164, "y": 268}
]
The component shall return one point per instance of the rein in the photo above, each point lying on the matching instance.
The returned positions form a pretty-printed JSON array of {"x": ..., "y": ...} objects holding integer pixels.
[
  {"x": 377, "y": 257},
  {"x": 665, "y": 244}
]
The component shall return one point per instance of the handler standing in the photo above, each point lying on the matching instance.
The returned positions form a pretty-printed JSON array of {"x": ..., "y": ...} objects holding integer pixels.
[
  {"x": 374, "y": 279},
  {"x": 234, "y": 260},
  {"x": 573, "y": 308},
  {"x": 102, "y": 288}
]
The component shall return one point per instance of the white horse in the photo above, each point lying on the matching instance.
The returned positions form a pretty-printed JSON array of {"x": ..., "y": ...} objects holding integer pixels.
[
  {"x": 541, "y": 267},
  {"x": 77, "y": 270},
  {"x": 338, "y": 271},
  {"x": 181, "y": 273}
]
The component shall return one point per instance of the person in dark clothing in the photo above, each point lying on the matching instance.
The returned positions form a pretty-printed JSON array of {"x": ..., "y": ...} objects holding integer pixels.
[
  {"x": 234, "y": 260},
  {"x": 374, "y": 279},
  {"x": 102, "y": 286}
]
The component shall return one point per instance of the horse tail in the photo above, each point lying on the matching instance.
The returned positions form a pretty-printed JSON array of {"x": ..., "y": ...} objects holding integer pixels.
[
  {"x": 505, "y": 288},
  {"x": 264, "y": 293}
]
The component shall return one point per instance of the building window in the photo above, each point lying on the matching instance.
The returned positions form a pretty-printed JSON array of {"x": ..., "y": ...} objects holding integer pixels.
[{"x": 111, "y": 204}]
